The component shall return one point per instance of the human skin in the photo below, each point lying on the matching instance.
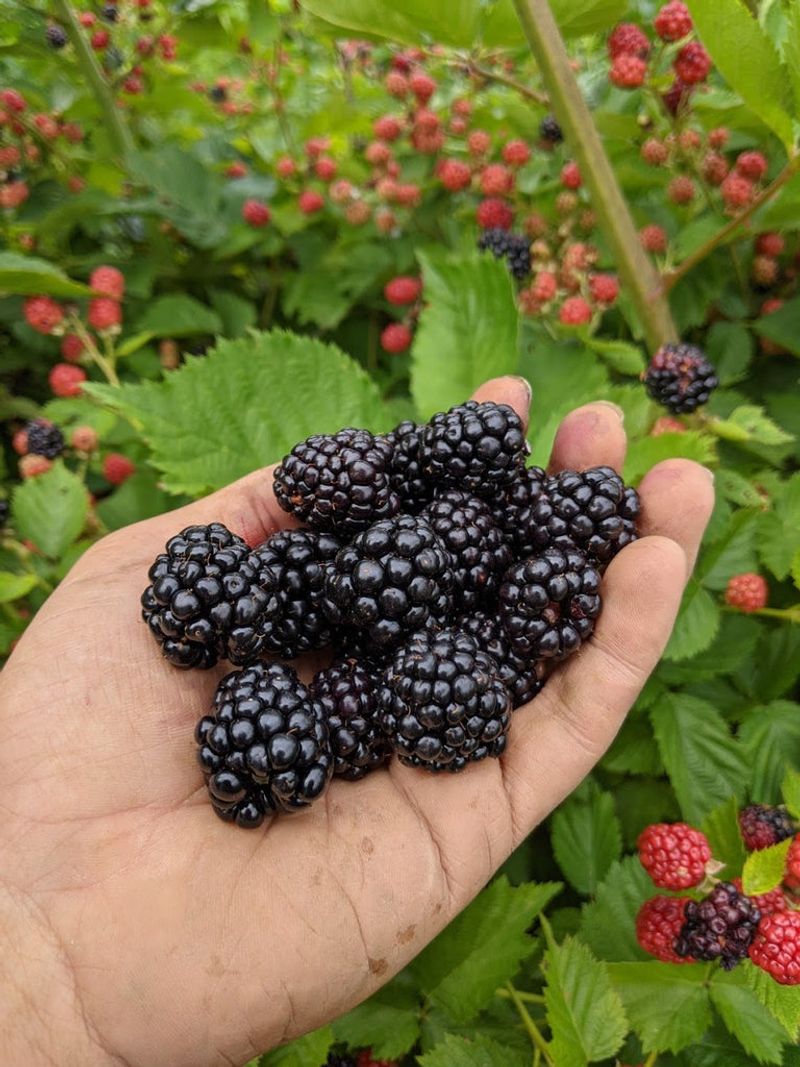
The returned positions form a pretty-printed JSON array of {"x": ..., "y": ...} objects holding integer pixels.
[{"x": 138, "y": 929}]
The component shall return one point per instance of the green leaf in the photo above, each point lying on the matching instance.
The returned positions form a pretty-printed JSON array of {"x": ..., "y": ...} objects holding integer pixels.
[
  {"x": 750, "y": 423},
  {"x": 237, "y": 314},
  {"x": 734, "y": 552},
  {"x": 15, "y": 586},
  {"x": 482, "y": 948},
  {"x": 585, "y": 1014},
  {"x": 479, "y": 1051},
  {"x": 388, "y": 1022},
  {"x": 721, "y": 827},
  {"x": 744, "y": 1016},
  {"x": 781, "y": 1001},
  {"x": 667, "y": 1003},
  {"x": 140, "y": 497},
  {"x": 777, "y": 664},
  {"x": 467, "y": 332},
  {"x": 51, "y": 510},
  {"x": 608, "y": 922},
  {"x": 770, "y": 739},
  {"x": 704, "y": 763},
  {"x": 790, "y": 792},
  {"x": 29, "y": 276},
  {"x": 586, "y": 839},
  {"x": 634, "y": 750},
  {"x": 308, "y": 1051},
  {"x": 178, "y": 315},
  {"x": 764, "y": 869},
  {"x": 246, "y": 404},
  {"x": 623, "y": 357},
  {"x": 647, "y": 451},
  {"x": 779, "y": 529},
  {"x": 696, "y": 625},
  {"x": 747, "y": 60},
  {"x": 730, "y": 347},
  {"x": 782, "y": 326}
]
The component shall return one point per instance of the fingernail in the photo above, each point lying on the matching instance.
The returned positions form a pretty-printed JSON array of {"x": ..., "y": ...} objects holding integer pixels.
[
  {"x": 710, "y": 473},
  {"x": 526, "y": 385},
  {"x": 614, "y": 407}
]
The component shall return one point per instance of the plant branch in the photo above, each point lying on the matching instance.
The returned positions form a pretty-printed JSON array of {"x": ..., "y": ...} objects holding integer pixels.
[
  {"x": 116, "y": 128},
  {"x": 639, "y": 277},
  {"x": 688, "y": 264},
  {"x": 651, "y": 1060},
  {"x": 533, "y": 1030},
  {"x": 512, "y": 83}
]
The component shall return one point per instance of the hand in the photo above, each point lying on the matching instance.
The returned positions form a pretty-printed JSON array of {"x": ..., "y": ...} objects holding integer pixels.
[{"x": 142, "y": 930}]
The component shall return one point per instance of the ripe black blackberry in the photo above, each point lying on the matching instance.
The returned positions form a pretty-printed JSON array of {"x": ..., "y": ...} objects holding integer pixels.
[
  {"x": 480, "y": 553},
  {"x": 442, "y": 704},
  {"x": 56, "y": 37},
  {"x": 347, "y": 691},
  {"x": 217, "y": 93},
  {"x": 291, "y": 566},
  {"x": 204, "y": 602},
  {"x": 523, "y": 678},
  {"x": 109, "y": 13},
  {"x": 392, "y": 578},
  {"x": 548, "y": 604},
  {"x": 265, "y": 747},
  {"x": 762, "y": 826},
  {"x": 521, "y": 508},
  {"x": 337, "y": 1059},
  {"x": 405, "y": 473},
  {"x": 593, "y": 510},
  {"x": 4, "y": 512},
  {"x": 338, "y": 482},
  {"x": 44, "y": 439},
  {"x": 720, "y": 927},
  {"x": 475, "y": 446},
  {"x": 680, "y": 377},
  {"x": 550, "y": 130},
  {"x": 512, "y": 247}
]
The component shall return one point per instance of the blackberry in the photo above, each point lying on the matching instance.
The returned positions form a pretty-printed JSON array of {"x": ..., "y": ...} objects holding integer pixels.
[
  {"x": 523, "y": 678},
  {"x": 521, "y": 510},
  {"x": 4, "y": 512},
  {"x": 680, "y": 377},
  {"x": 265, "y": 746},
  {"x": 204, "y": 602},
  {"x": 336, "y": 1059},
  {"x": 390, "y": 580},
  {"x": 550, "y": 131},
  {"x": 442, "y": 704},
  {"x": 291, "y": 567},
  {"x": 720, "y": 927},
  {"x": 56, "y": 37},
  {"x": 217, "y": 93},
  {"x": 480, "y": 553},
  {"x": 475, "y": 446},
  {"x": 347, "y": 692},
  {"x": 44, "y": 439},
  {"x": 762, "y": 826},
  {"x": 109, "y": 13},
  {"x": 548, "y": 604},
  {"x": 405, "y": 473},
  {"x": 512, "y": 247},
  {"x": 593, "y": 510},
  {"x": 338, "y": 482}
]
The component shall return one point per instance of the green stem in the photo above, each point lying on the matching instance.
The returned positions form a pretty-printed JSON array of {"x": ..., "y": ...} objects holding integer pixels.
[
  {"x": 651, "y": 1060},
  {"x": 530, "y": 998},
  {"x": 94, "y": 353},
  {"x": 534, "y": 1032},
  {"x": 639, "y": 276},
  {"x": 117, "y": 130}
]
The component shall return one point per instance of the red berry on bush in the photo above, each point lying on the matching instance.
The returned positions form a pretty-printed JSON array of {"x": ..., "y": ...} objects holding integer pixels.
[
  {"x": 357, "y": 213},
  {"x": 168, "y": 47},
  {"x": 42, "y": 314},
  {"x": 408, "y": 194},
  {"x": 117, "y": 468},
  {"x": 764, "y": 270},
  {"x": 681, "y": 190},
  {"x": 315, "y": 146},
  {"x": 575, "y": 311},
  {"x": 719, "y": 137},
  {"x": 692, "y": 64},
  {"x": 235, "y": 170},
  {"x": 571, "y": 176},
  {"x": 654, "y": 152},
  {"x": 454, "y": 174},
  {"x": 104, "y": 314},
  {"x": 387, "y": 128},
  {"x": 770, "y": 244},
  {"x": 715, "y": 168},
  {"x": 19, "y": 442},
  {"x": 627, "y": 71},
  {"x": 47, "y": 126},
  {"x": 604, "y": 288},
  {"x": 747, "y": 592},
  {"x": 13, "y": 100},
  {"x": 492, "y": 213},
  {"x": 66, "y": 379},
  {"x": 325, "y": 168},
  {"x": 479, "y": 142},
  {"x": 674, "y": 854},
  {"x": 385, "y": 220},
  {"x": 767, "y": 903},
  {"x": 71, "y": 347},
  {"x": 628, "y": 39},
  {"x": 676, "y": 97},
  {"x": 285, "y": 167},
  {"x": 84, "y": 438},
  {"x": 422, "y": 86},
  {"x": 395, "y": 338},
  {"x": 256, "y": 213},
  {"x": 666, "y": 424},
  {"x": 544, "y": 287},
  {"x": 33, "y": 466},
  {"x": 776, "y": 946},
  {"x": 516, "y": 153},
  {"x": 673, "y": 21},
  {"x": 86, "y": 19},
  {"x": 658, "y": 924},
  {"x": 653, "y": 238},
  {"x": 108, "y": 281},
  {"x": 402, "y": 290},
  {"x": 396, "y": 83},
  {"x": 751, "y": 165},
  {"x": 100, "y": 39},
  {"x": 496, "y": 180},
  {"x": 737, "y": 192}
]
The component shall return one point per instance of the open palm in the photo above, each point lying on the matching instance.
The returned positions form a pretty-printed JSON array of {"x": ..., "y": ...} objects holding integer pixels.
[{"x": 158, "y": 935}]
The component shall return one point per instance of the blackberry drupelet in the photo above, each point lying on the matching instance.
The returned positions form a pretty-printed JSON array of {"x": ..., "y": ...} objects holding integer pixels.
[
  {"x": 338, "y": 482},
  {"x": 265, "y": 746},
  {"x": 390, "y": 581},
  {"x": 204, "y": 602},
  {"x": 475, "y": 446},
  {"x": 762, "y": 826},
  {"x": 720, "y": 927},
  {"x": 521, "y": 509},
  {"x": 442, "y": 704},
  {"x": 512, "y": 247},
  {"x": 548, "y": 604},
  {"x": 522, "y": 677},
  {"x": 593, "y": 510},
  {"x": 477, "y": 544},
  {"x": 347, "y": 691},
  {"x": 680, "y": 377},
  {"x": 405, "y": 472},
  {"x": 291, "y": 566},
  {"x": 56, "y": 37},
  {"x": 550, "y": 130},
  {"x": 44, "y": 439}
]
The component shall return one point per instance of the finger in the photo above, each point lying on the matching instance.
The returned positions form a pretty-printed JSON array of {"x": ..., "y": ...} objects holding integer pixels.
[
  {"x": 677, "y": 500},
  {"x": 557, "y": 739},
  {"x": 590, "y": 436},
  {"x": 511, "y": 390}
]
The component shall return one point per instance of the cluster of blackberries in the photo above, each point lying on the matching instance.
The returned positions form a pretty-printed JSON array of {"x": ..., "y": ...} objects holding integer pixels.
[
  {"x": 514, "y": 248},
  {"x": 445, "y": 575}
]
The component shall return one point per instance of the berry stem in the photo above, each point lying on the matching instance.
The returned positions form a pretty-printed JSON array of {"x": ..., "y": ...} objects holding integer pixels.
[
  {"x": 94, "y": 353},
  {"x": 116, "y": 128},
  {"x": 639, "y": 276},
  {"x": 651, "y": 1059},
  {"x": 533, "y": 1030},
  {"x": 670, "y": 280}
]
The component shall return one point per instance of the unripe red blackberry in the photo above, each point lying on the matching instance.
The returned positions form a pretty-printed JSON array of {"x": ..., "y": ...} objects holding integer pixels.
[
  {"x": 422, "y": 86},
  {"x": 654, "y": 152},
  {"x": 479, "y": 142},
  {"x": 770, "y": 244},
  {"x": 674, "y": 854},
  {"x": 604, "y": 288},
  {"x": 104, "y": 314},
  {"x": 792, "y": 876},
  {"x": 396, "y": 338},
  {"x": 387, "y": 128},
  {"x": 402, "y": 290},
  {"x": 764, "y": 271},
  {"x": 496, "y": 180},
  {"x": 66, "y": 379},
  {"x": 776, "y": 947},
  {"x": 751, "y": 165},
  {"x": 108, "y": 281},
  {"x": 42, "y": 314},
  {"x": 653, "y": 238},
  {"x": 747, "y": 592},
  {"x": 628, "y": 39},
  {"x": 516, "y": 153},
  {"x": 767, "y": 903},
  {"x": 628, "y": 72},
  {"x": 737, "y": 191},
  {"x": 673, "y": 21},
  {"x": 715, "y": 168},
  {"x": 571, "y": 176},
  {"x": 454, "y": 174},
  {"x": 681, "y": 190},
  {"x": 692, "y": 64},
  {"x": 310, "y": 201},
  {"x": 658, "y": 926},
  {"x": 575, "y": 311},
  {"x": 255, "y": 213}
]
